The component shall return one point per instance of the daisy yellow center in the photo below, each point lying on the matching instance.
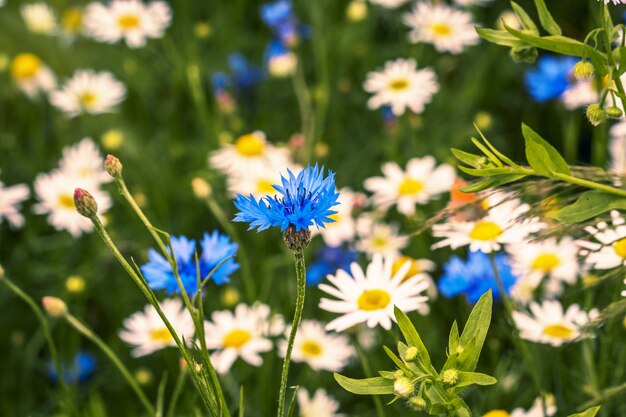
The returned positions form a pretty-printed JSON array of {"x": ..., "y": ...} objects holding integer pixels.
[
  {"x": 25, "y": 67},
  {"x": 372, "y": 300},
  {"x": 497, "y": 413},
  {"x": 237, "y": 338},
  {"x": 67, "y": 201},
  {"x": 442, "y": 29},
  {"x": 485, "y": 230},
  {"x": 265, "y": 187},
  {"x": 161, "y": 335},
  {"x": 414, "y": 269},
  {"x": 128, "y": 21},
  {"x": 87, "y": 99},
  {"x": 380, "y": 242},
  {"x": 311, "y": 348},
  {"x": 399, "y": 84},
  {"x": 546, "y": 262},
  {"x": 72, "y": 20},
  {"x": 409, "y": 186},
  {"x": 250, "y": 145},
  {"x": 558, "y": 331},
  {"x": 620, "y": 248}
]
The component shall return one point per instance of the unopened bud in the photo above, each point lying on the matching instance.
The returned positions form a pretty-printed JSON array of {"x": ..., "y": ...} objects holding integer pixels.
[
  {"x": 450, "y": 376},
  {"x": 614, "y": 112},
  {"x": 85, "y": 203},
  {"x": 201, "y": 188},
  {"x": 75, "y": 284},
  {"x": 595, "y": 114},
  {"x": 410, "y": 354},
  {"x": 54, "y": 306},
  {"x": 583, "y": 70},
  {"x": 356, "y": 11},
  {"x": 403, "y": 387},
  {"x": 417, "y": 403},
  {"x": 113, "y": 166}
]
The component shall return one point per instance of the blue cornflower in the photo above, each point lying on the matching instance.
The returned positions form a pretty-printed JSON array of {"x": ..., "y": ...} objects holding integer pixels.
[
  {"x": 303, "y": 201},
  {"x": 82, "y": 367},
  {"x": 215, "y": 248},
  {"x": 245, "y": 75},
  {"x": 329, "y": 260},
  {"x": 551, "y": 77},
  {"x": 475, "y": 276},
  {"x": 220, "y": 82},
  {"x": 279, "y": 16}
]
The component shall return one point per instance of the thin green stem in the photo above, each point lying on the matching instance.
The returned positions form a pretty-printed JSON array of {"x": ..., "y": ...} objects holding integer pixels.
[
  {"x": 89, "y": 334},
  {"x": 571, "y": 132},
  {"x": 380, "y": 410},
  {"x": 590, "y": 184},
  {"x": 301, "y": 284},
  {"x": 305, "y": 104},
  {"x": 178, "y": 389}
]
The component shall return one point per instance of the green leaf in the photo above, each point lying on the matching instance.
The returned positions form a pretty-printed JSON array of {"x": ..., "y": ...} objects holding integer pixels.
[
  {"x": 477, "y": 326},
  {"x": 622, "y": 60},
  {"x": 500, "y": 37},
  {"x": 492, "y": 182},
  {"x": 396, "y": 359},
  {"x": 546, "y": 19},
  {"x": 523, "y": 17},
  {"x": 387, "y": 374},
  {"x": 468, "y": 158},
  {"x": 587, "y": 413},
  {"x": 469, "y": 378},
  {"x": 453, "y": 339},
  {"x": 412, "y": 337},
  {"x": 499, "y": 154},
  {"x": 367, "y": 386},
  {"x": 492, "y": 157},
  {"x": 589, "y": 205},
  {"x": 542, "y": 156},
  {"x": 486, "y": 172}
]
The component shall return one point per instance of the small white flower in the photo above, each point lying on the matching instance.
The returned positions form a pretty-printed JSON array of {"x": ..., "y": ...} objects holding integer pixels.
[
  {"x": 580, "y": 94},
  {"x": 147, "y": 333},
  {"x": 400, "y": 85},
  {"x": 548, "y": 324},
  {"x": 11, "y": 199},
  {"x": 536, "y": 410},
  {"x": 83, "y": 160},
  {"x": 39, "y": 18},
  {"x": 343, "y": 228},
  {"x": 130, "y": 20},
  {"x": 320, "y": 405},
  {"x": 31, "y": 75},
  {"x": 417, "y": 185},
  {"x": 610, "y": 249},
  {"x": 389, "y": 4},
  {"x": 317, "y": 348},
  {"x": 89, "y": 92},
  {"x": 238, "y": 334},
  {"x": 624, "y": 292},
  {"x": 503, "y": 224},
  {"x": 369, "y": 297},
  {"x": 420, "y": 267},
  {"x": 448, "y": 29},
  {"x": 379, "y": 238}
]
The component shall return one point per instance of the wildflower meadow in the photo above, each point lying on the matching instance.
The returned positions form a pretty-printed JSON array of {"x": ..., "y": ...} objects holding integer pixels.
[{"x": 327, "y": 208}]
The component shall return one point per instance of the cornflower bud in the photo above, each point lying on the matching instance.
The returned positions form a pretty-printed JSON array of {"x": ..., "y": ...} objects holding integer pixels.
[
  {"x": 85, "y": 203},
  {"x": 113, "y": 166},
  {"x": 54, "y": 306}
]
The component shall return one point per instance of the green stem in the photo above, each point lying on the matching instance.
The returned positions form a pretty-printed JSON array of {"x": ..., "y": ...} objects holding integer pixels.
[
  {"x": 380, "y": 410},
  {"x": 178, "y": 389},
  {"x": 301, "y": 284},
  {"x": 590, "y": 184},
  {"x": 89, "y": 334},
  {"x": 571, "y": 131},
  {"x": 307, "y": 116}
]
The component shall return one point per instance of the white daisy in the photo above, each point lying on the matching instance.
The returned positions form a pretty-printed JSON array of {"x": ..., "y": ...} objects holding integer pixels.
[
  {"x": 320, "y": 405},
  {"x": 344, "y": 227},
  {"x": 448, "y": 29},
  {"x": 389, "y": 4},
  {"x": 580, "y": 94},
  {"x": 11, "y": 199},
  {"x": 317, "y": 348},
  {"x": 89, "y": 92},
  {"x": 610, "y": 249},
  {"x": 147, "y": 333},
  {"x": 250, "y": 152},
  {"x": 130, "y": 20},
  {"x": 417, "y": 185},
  {"x": 83, "y": 160},
  {"x": 55, "y": 192},
  {"x": 238, "y": 334},
  {"x": 503, "y": 224},
  {"x": 378, "y": 238},
  {"x": 39, "y": 18},
  {"x": 418, "y": 267},
  {"x": 258, "y": 182},
  {"x": 31, "y": 75},
  {"x": 617, "y": 148},
  {"x": 548, "y": 324},
  {"x": 400, "y": 85},
  {"x": 370, "y": 297}
]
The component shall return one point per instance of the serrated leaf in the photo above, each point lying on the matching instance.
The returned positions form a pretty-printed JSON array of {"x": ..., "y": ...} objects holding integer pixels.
[
  {"x": 524, "y": 18},
  {"x": 412, "y": 337},
  {"x": 477, "y": 326},
  {"x": 500, "y": 37},
  {"x": 591, "y": 412},
  {"x": 546, "y": 19},
  {"x": 367, "y": 386},
  {"x": 589, "y": 205},
  {"x": 542, "y": 156},
  {"x": 476, "y": 378},
  {"x": 491, "y": 182}
]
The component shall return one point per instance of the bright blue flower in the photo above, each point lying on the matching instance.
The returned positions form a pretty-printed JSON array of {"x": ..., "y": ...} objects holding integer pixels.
[
  {"x": 220, "y": 82},
  {"x": 245, "y": 75},
  {"x": 303, "y": 201},
  {"x": 280, "y": 18},
  {"x": 215, "y": 248},
  {"x": 275, "y": 49},
  {"x": 329, "y": 260},
  {"x": 475, "y": 276},
  {"x": 82, "y": 367},
  {"x": 551, "y": 77}
]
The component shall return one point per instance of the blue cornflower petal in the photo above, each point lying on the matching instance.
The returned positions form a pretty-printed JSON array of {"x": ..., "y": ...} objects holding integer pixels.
[
  {"x": 81, "y": 368},
  {"x": 329, "y": 260},
  {"x": 550, "y": 78},
  {"x": 245, "y": 76}
]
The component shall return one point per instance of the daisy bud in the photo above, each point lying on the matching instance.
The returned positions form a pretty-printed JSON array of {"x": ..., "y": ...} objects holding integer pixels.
[
  {"x": 410, "y": 354},
  {"x": 403, "y": 387},
  {"x": 450, "y": 376},
  {"x": 75, "y": 284},
  {"x": 54, "y": 306},
  {"x": 583, "y": 70},
  {"x": 614, "y": 112},
  {"x": 297, "y": 241},
  {"x": 201, "y": 188},
  {"x": 85, "y": 203},
  {"x": 417, "y": 403},
  {"x": 113, "y": 166},
  {"x": 596, "y": 114}
]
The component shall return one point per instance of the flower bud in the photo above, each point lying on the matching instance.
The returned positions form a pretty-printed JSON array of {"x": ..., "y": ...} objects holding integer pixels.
[
  {"x": 417, "y": 403},
  {"x": 85, "y": 203},
  {"x": 113, "y": 166},
  {"x": 595, "y": 114},
  {"x": 410, "y": 354},
  {"x": 614, "y": 112},
  {"x": 75, "y": 284},
  {"x": 583, "y": 70},
  {"x": 356, "y": 11},
  {"x": 403, "y": 387},
  {"x": 201, "y": 188},
  {"x": 54, "y": 306},
  {"x": 450, "y": 376}
]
